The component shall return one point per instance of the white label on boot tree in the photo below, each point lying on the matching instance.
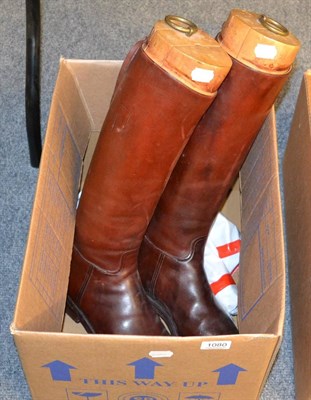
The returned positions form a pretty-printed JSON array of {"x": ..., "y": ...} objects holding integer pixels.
[
  {"x": 216, "y": 345},
  {"x": 202, "y": 75},
  {"x": 266, "y": 51}
]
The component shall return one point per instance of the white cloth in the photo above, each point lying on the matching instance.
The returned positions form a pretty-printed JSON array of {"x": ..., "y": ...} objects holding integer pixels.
[{"x": 221, "y": 259}]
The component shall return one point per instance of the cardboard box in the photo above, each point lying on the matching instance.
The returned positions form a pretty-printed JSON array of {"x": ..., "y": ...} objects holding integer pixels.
[
  {"x": 297, "y": 192},
  {"x": 63, "y": 365}
]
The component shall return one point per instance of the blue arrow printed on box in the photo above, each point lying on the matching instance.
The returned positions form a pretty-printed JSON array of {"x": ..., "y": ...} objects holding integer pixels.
[
  {"x": 60, "y": 371},
  {"x": 228, "y": 374},
  {"x": 144, "y": 368}
]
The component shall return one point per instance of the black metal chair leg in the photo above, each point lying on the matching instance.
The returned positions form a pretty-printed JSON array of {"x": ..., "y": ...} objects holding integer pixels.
[{"x": 32, "y": 91}]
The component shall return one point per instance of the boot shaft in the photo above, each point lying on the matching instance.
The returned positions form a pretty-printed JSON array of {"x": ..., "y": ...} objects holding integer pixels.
[
  {"x": 212, "y": 159},
  {"x": 220, "y": 143},
  {"x": 154, "y": 110},
  {"x": 144, "y": 132}
]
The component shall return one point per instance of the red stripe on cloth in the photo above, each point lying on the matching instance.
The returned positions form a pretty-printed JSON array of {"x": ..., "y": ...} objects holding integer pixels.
[
  {"x": 223, "y": 282},
  {"x": 229, "y": 249}
]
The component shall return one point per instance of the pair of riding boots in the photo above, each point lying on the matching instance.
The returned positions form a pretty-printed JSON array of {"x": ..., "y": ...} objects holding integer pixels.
[{"x": 182, "y": 119}]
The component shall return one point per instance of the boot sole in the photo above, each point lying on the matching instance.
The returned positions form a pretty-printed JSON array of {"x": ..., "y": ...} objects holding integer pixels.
[
  {"x": 77, "y": 315},
  {"x": 164, "y": 314}
]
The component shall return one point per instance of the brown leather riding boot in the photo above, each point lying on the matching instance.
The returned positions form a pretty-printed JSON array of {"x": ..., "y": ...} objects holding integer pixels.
[
  {"x": 154, "y": 109},
  {"x": 171, "y": 257}
]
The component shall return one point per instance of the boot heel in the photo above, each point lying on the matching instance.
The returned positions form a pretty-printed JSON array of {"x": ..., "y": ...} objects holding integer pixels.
[{"x": 71, "y": 311}]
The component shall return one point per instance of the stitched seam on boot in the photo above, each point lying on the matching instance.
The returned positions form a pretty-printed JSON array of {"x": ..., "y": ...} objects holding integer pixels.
[
  {"x": 87, "y": 277},
  {"x": 101, "y": 269},
  {"x": 85, "y": 283},
  {"x": 156, "y": 272},
  {"x": 158, "y": 266},
  {"x": 193, "y": 245}
]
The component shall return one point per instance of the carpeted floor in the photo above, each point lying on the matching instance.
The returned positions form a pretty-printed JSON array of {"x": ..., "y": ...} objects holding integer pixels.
[{"x": 102, "y": 29}]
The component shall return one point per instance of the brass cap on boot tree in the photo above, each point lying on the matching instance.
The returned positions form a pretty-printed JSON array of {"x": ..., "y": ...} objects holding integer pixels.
[
  {"x": 259, "y": 41},
  {"x": 189, "y": 54}
]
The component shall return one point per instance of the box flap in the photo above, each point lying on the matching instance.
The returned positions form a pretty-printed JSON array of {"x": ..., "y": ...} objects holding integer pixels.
[
  {"x": 297, "y": 191},
  {"x": 97, "y": 89},
  {"x": 95, "y": 86},
  {"x": 262, "y": 265},
  {"x": 41, "y": 298}
]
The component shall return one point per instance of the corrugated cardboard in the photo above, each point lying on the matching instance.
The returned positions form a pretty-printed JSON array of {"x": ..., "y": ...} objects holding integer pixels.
[
  {"x": 62, "y": 365},
  {"x": 297, "y": 191}
]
